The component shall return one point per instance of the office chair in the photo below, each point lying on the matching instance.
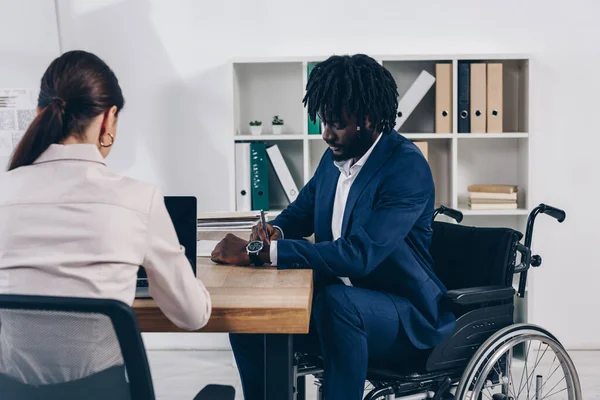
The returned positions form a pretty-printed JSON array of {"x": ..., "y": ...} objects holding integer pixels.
[{"x": 75, "y": 348}]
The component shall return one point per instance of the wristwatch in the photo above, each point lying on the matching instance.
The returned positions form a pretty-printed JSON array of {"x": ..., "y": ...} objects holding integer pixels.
[{"x": 253, "y": 249}]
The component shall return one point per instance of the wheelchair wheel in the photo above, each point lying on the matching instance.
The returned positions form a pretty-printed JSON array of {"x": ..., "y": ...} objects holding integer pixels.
[{"x": 521, "y": 361}]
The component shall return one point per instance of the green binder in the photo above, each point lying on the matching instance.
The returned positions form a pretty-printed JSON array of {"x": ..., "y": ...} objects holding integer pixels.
[
  {"x": 314, "y": 128},
  {"x": 259, "y": 172}
]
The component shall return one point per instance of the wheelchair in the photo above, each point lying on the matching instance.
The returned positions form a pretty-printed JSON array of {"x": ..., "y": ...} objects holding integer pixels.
[{"x": 488, "y": 355}]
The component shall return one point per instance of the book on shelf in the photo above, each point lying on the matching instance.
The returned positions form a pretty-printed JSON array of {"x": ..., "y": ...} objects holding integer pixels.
[
  {"x": 492, "y": 197},
  {"x": 493, "y": 206},
  {"x": 493, "y": 188}
]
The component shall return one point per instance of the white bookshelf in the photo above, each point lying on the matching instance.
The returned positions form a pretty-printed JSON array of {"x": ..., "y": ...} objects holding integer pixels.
[
  {"x": 267, "y": 87},
  {"x": 275, "y": 86}
]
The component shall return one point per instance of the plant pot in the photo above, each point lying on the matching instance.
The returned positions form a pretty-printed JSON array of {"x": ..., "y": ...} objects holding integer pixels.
[
  {"x": 256, "y": 130},
  {"x": 277, "y": 129}
]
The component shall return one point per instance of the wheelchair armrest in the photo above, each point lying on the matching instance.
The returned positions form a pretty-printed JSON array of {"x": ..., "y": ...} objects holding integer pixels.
[{"x": 479, "y": 294}]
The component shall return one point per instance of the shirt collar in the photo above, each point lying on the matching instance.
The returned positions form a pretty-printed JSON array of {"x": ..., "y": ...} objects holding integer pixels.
[
  {"x": 346, "y": 166},
  {"x": 80, "y": 152}
]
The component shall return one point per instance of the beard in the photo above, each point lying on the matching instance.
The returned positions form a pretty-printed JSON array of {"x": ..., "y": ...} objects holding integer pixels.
[{"x": 357, "y": 147}]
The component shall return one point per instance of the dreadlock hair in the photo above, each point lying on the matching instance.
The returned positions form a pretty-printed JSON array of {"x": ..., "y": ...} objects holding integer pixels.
[{"x": 357, "y": 85}]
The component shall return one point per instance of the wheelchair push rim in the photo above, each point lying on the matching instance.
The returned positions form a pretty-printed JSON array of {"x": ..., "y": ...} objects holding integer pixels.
[{"x": 547, "y": 372}]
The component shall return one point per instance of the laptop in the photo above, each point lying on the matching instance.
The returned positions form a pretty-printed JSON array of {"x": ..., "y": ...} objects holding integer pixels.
[{"x": 183, "y": 212}]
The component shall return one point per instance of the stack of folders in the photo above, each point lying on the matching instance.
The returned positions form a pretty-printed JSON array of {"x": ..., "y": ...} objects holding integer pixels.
[
  {"x": 227, "y": 221},
  {"x": 480, "y": 97},
  {"x": 492, "y": 197},
  {"x": 252, "y": 175}
]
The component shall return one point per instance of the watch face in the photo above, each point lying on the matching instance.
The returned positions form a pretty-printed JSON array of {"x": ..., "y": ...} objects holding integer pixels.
[{"x": 254, "y": 247}]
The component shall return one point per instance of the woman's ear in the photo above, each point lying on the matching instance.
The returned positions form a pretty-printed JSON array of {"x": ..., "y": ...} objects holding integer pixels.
[{"x": 109, "y": 121}]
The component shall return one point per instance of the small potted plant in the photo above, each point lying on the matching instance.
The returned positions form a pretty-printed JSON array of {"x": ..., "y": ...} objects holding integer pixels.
[
  {"x": 255, "y": 127},
  {"x": 277, "y": 125}
]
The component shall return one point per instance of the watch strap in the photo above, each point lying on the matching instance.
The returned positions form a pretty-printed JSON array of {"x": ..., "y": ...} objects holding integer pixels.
[{"x": 255, "y": 259}]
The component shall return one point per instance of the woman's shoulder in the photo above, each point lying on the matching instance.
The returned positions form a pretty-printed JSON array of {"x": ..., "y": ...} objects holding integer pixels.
[{"x": 132, "y": 193}]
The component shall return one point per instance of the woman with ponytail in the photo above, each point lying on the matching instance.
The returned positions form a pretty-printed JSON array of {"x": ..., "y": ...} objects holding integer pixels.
[{"x": 69, "y": 226}]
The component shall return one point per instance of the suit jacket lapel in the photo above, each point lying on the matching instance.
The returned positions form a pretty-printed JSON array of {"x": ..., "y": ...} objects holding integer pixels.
[{"x": 376, "y": 160}]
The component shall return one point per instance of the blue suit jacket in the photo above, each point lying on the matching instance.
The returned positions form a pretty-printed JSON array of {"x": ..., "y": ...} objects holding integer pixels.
[{"x": 386, "y": 233}]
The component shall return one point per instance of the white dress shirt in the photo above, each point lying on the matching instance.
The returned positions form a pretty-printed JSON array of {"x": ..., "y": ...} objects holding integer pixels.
[
  {"x": 348, "y": 173},
  {"x": 71, "y": 227}
]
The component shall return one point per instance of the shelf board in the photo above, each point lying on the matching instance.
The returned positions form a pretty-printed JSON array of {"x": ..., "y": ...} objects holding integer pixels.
[
  {"x": 406, "y": 135},
  {"x": 283, "y": 136},
  {"x": 504, "y": 135},
  {"x": 468, "y": 212},
  {"x": 427, "y": 135}
]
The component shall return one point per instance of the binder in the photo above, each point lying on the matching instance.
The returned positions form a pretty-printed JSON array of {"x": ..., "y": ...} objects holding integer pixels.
[
  {"x": 443, "y": 98},
  {"x": 494, "y": 97},
  {"x": 314, "y": 128},
  {"x": 464, "y": 93},
  {"x": 283, "y": 173},
  {"x": 243, "y": 199},
  {"x": 260, "y": 176},
  {"x": 478, "y": 98},
  {"x": 413, "y": 97},
  {"x": 423, "y": 146}
]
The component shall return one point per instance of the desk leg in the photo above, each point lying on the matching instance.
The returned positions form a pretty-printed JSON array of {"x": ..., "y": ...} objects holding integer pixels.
[{"x": 279, "y": 369}]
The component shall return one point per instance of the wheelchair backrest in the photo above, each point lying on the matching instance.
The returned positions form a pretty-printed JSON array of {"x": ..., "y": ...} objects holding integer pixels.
[{"x": 468, "y": 256}]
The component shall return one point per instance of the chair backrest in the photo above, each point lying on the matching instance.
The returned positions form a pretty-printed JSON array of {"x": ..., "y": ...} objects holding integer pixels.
[
  {"x": 71, "y": 348},
  {"x": 468, "y": 256}
]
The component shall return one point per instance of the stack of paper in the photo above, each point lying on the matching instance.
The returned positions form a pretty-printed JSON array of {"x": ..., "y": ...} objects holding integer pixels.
[{"x": 227, "y": 221}]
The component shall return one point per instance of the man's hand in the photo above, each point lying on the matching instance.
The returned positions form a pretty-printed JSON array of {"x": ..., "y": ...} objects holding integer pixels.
[
  {"x": 231, "y": 250},
  {"x": 258, "y": 233}
]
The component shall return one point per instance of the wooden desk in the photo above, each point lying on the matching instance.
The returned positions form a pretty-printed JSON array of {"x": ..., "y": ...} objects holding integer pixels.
[
  {"x": 251, "y": 300},
  {"x": 244, "y": 300}
]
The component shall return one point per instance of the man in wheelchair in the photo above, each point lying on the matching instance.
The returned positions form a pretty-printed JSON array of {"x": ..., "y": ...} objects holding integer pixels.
[
  {"x": 370, "y": 205},
  {"x": 417, "y": 308}
]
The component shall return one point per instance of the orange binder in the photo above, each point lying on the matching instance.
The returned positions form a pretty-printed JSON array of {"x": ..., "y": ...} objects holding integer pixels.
[
  {"x": 443, "y": 98},
  {"x": 494, "y": 97},
  {"x": 478, "y": 98},
  {"x": 423, "y": 146}
]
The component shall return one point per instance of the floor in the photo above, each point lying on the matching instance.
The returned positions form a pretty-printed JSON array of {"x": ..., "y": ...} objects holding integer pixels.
[{"x": 182, "y": 374}]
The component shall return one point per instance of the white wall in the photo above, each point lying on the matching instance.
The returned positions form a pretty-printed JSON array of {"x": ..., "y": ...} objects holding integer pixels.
[
  {"x": 171, "y": 57},
  {"x": 28, "y": 42}
]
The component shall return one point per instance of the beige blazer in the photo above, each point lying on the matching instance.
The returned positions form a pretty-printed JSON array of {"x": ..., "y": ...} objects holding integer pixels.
[{"x": 71, "y": 227}]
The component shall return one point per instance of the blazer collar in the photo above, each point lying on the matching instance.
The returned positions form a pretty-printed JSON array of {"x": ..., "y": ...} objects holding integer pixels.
[
  {"x": 80, "y": 152},
  {"x": 376, "y": 160}
]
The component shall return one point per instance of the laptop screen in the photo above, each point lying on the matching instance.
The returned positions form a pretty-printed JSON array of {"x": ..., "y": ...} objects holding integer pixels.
[{"x": 183, "y": 212}]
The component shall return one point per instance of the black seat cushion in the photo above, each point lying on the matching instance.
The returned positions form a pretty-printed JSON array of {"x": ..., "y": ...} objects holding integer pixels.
[{"x": 468, "y": 256}]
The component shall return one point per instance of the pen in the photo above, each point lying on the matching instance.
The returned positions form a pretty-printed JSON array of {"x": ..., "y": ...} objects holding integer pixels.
[{"x": 263, "y": 220}]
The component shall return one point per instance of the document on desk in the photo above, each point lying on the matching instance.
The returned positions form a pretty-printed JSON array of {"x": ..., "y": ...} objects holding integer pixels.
[{"x": 204, "y": 248}]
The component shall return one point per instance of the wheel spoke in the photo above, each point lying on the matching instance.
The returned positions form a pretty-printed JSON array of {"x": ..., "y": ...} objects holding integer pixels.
[
  {"x": 558, "y": 383},
  {"x": 550, "y": 376},
  {"x": 524, "y": 372},
  {"x": 537, "y": 361},
  {"x": 550, "y": 395}
]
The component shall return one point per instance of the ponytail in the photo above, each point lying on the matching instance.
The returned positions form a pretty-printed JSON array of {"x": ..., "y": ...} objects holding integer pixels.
[
  {"x": 77, "y": 87},
  {"x": 46, "y": 129}
]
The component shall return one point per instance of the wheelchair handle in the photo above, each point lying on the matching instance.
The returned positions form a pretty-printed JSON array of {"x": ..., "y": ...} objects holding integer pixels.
[
  {"x": 554, "y": 212},
  {"x": 451, "y": 212},
  {"x": 536, "y": 260}
]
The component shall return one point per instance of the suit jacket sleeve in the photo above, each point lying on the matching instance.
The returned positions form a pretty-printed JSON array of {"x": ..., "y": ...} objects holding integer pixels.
[{"x": 401, "y": 201}]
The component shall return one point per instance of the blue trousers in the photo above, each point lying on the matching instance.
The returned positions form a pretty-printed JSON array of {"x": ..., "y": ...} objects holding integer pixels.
[{"x": 349, "y": 327}]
